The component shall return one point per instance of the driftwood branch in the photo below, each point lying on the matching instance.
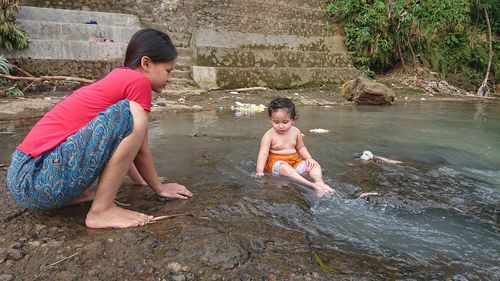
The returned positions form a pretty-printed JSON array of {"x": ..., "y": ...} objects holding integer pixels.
[
  {"x": 158, "y": 218},
  {"x": 172, "y": 216},
  {"x": 249, "y": 89},
  {"x": 46, "y": 78},
  {"x": 61, "y": 260},
  {"x": 483, "y": 89}
]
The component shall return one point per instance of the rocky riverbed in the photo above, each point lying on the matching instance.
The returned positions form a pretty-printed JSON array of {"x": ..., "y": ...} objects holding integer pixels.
[{"x": 226, "y": 234}]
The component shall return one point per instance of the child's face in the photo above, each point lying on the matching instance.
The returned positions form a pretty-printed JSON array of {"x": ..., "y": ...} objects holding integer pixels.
[
  {"x": 281, "y": 121},
  {"x": 159, "y": 74}
]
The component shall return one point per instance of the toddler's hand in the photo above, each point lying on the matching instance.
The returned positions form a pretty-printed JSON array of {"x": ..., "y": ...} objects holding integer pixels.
[
  {"x": 311, "y": 163},
  {"x": 258, "y": 175},
  {"x": 174, "y": 190}
]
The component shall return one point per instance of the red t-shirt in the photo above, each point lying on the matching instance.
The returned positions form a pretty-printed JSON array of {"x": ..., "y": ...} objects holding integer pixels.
[{"x": 79, "y": 108}]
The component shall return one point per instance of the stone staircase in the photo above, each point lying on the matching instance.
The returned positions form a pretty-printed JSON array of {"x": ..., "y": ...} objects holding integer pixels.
[
  {"x": 221, "y": 43},
  {"x": 274, "y": 43},
  {"x": 63, "y": 44}
]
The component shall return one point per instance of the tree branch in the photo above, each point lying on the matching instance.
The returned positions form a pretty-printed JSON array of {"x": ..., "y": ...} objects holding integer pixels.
[{"x": 46, "y": 78}]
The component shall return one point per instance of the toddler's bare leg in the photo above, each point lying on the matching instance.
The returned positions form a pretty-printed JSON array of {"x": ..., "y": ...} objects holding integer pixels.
[
  {"x": 289, "y": 171},
  {"x": 104, "y": 213}
]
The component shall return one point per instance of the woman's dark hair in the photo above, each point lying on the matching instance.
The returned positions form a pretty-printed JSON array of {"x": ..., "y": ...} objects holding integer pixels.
[
  {"x": 152, "y": 43},
  {"x": 282, "y": 103}
]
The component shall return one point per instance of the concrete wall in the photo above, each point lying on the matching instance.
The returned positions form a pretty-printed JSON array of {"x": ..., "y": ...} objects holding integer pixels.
[{"x": 238, "y": 43}]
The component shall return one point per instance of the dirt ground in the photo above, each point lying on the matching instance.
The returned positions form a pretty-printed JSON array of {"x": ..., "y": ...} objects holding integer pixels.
[{"x": 35, "y": 103}]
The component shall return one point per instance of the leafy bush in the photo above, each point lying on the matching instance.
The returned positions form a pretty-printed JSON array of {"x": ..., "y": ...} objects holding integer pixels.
[
  {"x": 9, "y": 90},
  {"x": 10, "y": 36},
  {"x": 5, "y": 66},
  {"x": 447, "y": 36}
]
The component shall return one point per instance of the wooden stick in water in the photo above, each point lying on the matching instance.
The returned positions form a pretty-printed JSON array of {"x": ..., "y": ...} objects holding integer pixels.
[
  {"x": 172, "y": 216},
  {"x": 158, "y": 218},
  {"x": 366, "y": 194},
  {"x": 61, "y": 260}
]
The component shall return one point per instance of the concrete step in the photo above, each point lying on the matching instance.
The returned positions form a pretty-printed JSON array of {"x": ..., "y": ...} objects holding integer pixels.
[
  {"x": 186, "y": 74},
  {"x": 71, "y": 50},
  {"x": 289, "y": 4},
  {"x": 183, "y": 51},
  {"x": 233, "y": 39},
  {"x": 308, "y": 3},
  {"x": 247, "y": 57},
  {"x": 76, "y": 16},
  {"x": 183, "y": 60},
  {"x": 180, "y": 39},
  {"x": 90, "y": 69},
  {"x": 268, "y": 25},
  {"x": 273, "y": 77},
  {"x": 267, "y": 9},
  {"x": 182, "y": 92},
  {"x": 183, "y": 67},
  {"x": 78, "y": 31},
  {"x": 181, "y": 83},
  {"x": 75, "y": 31}
]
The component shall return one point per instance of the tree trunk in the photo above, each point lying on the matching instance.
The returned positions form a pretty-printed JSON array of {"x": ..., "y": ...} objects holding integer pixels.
[{"x": 484, "y": 90}]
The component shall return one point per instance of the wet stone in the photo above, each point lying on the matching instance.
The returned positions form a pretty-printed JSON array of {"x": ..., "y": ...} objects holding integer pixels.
[
  {"x": 96, "y": 246},
  {"x": 34, "y": 243},
  {"x": 16, "y": 245},
  {"x": 224, "y": 252},
  {"x": 15, "y": 254},
  {"x": 3, "y": 257},
  {"x": 171, "y": 253},
  {"x": 6, "y": 277}
]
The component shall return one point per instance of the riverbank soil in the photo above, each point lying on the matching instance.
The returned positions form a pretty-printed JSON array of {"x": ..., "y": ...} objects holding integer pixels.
[{"x": 41, "y": 99}]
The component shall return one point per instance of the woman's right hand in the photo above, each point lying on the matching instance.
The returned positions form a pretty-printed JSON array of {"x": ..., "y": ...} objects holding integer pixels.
[{"x": 174, "y": 190}]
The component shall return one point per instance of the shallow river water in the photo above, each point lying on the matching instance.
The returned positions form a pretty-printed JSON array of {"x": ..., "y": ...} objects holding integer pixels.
[{"x": 438, "y": 213}]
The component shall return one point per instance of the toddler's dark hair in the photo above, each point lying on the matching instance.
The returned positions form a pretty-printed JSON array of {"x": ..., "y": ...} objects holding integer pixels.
[
  {"x": 282, "y": 103},
  {"x": 152, "y": 43}
]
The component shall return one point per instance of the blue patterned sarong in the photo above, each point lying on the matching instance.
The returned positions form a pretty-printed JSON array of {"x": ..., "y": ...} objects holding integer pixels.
[{"x": 59, "y": 176}]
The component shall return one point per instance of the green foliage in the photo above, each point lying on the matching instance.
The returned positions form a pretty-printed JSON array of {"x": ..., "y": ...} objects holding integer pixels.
[
  {"x": 13, "y": 91},
  {"x": 5, "y": 66},
  {"x": 447, "y": 36},
  {"x": 10, "y": 36},
  {"x": 9, "y": 90}
]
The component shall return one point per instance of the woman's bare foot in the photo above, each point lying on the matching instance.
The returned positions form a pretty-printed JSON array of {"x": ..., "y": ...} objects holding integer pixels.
[
  {"x": 87, "y": 196},
  {"x": 116, "y": 217}
]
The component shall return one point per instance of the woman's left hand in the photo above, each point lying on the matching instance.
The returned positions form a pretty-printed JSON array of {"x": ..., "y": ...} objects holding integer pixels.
[{"x": 174, "y": 190}]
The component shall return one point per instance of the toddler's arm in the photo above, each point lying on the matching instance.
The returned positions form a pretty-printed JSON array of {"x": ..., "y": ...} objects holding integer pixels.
[
  {"x": 304, "y": 153},
  {"x": 265, "y": 145},
  {"x": 301, "y": 147}
]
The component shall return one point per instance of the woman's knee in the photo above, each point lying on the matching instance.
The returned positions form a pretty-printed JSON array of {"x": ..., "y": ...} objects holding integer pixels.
[{"x": 140, "y": 117}]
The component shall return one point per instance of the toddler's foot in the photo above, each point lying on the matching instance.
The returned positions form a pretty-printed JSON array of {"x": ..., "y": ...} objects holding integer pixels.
[
  {"x": 323, "y": 189},
  {"x": 116, "y": 217}
]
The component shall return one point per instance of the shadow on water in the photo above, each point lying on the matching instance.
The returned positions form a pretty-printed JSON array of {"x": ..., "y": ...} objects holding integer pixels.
[{"x": 437, "y": 214}]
